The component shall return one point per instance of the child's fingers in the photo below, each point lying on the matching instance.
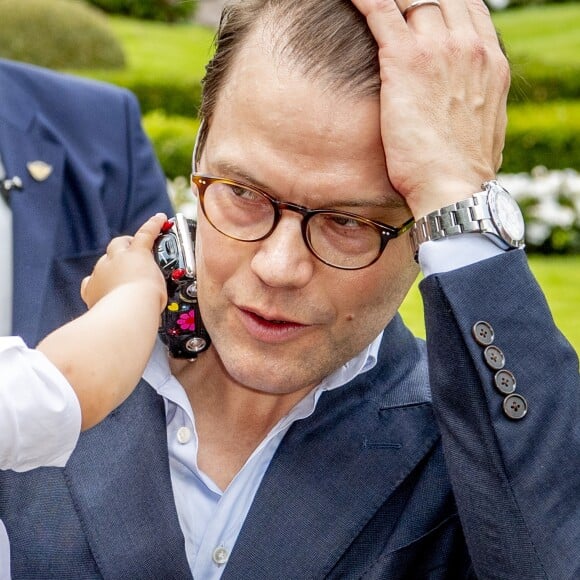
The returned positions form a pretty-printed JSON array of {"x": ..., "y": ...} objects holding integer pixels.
[
  {"x": 117, "y": 244},
  {"x": 143, "y": 239},
  {"x": 148, "y": 232},
  {"x": 84, "y": 286}
]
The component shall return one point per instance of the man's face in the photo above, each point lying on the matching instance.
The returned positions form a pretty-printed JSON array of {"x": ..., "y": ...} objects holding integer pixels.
[{"x": 280, "y": 319}]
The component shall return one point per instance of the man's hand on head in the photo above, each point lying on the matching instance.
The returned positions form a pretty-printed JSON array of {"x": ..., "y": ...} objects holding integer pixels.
[{"x": 444, "y": 90}]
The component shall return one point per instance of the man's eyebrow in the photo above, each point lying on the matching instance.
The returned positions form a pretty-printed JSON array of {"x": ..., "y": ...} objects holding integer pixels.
[
  {"x": 388, "y": 200},
  {"x": 230, "y": 170}
]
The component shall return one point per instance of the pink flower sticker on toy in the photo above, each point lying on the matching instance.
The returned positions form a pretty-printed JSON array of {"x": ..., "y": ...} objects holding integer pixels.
[{"x": 187, "y": 320}]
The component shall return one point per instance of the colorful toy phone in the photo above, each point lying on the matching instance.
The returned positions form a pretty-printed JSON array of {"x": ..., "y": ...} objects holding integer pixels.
[{"x": 181, "y": 327}]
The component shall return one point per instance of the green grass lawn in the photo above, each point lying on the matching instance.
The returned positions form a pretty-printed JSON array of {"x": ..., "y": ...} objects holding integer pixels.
[
  {"x": 548, "y": 34},
  {"x": 559, "y": 277}
]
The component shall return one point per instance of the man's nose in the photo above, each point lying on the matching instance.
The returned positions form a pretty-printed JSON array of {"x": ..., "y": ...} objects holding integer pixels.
[{"x": 282, "y": 259}]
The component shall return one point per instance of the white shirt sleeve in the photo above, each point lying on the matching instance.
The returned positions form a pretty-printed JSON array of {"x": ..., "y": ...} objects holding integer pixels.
[
  {"x": 40, "y": 415},
  {"x": 455, "y": 252}
]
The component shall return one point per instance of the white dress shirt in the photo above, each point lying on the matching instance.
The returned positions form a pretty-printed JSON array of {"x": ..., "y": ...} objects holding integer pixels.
[{"x": 40, "y": 417}]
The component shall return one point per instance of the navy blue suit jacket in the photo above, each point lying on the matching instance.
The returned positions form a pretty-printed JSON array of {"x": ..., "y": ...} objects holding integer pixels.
[
  {"x": 381, "y": 482},
  {"x": 105, "y": 182}
]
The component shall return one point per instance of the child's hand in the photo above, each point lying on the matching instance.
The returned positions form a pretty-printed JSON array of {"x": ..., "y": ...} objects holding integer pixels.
[{"x": 129, "y": 260}]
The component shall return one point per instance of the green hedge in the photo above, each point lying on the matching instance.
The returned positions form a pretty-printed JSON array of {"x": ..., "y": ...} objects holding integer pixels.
[
  {"x": 173, "y": 96},
  {"x": 543, "y": 134},
  {"x": 58, "y": 34},
  {"x": 538, "y": 82},
  {"x": 162, "y": 10},
  {"x": 173, "y": 139}
]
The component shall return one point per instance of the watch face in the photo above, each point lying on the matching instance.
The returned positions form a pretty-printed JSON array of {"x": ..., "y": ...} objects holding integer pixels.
[{"x": 506, "y": 215}]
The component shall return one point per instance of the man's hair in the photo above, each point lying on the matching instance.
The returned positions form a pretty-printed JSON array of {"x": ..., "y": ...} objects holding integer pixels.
[{"x": 326, "y": 40}]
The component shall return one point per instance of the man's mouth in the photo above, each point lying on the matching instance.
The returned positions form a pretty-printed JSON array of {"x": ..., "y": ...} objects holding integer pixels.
[{"x": 270, "y": 328}]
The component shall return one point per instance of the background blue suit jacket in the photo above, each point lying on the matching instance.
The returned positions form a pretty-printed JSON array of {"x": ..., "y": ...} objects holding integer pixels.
[
  {"x": 379, "y": 483},
  {"x": 105, "y": 181}
]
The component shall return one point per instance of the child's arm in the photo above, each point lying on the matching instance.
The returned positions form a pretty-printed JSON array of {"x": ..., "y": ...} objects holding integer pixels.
[{"x": 103, "y": 353}]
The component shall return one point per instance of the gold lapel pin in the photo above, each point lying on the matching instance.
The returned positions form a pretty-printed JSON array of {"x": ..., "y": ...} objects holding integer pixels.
[{"x": 39, "y": 170}]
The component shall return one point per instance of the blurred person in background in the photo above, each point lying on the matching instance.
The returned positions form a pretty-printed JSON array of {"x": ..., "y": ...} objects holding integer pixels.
[{"x": 76, "y": 170}]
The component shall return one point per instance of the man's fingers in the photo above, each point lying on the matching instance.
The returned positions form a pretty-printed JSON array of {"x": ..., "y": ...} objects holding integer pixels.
[
  {"x": 482, "y": 22},
  {"x": 366, "y": 7},
  {"x": 384, "y": 19},
  {"x": 424, "y": 16},
  {"x": 456, "y": 16}
]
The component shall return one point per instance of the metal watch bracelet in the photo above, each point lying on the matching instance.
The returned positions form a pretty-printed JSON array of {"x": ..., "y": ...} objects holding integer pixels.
[{"x": 469, "y": 215}]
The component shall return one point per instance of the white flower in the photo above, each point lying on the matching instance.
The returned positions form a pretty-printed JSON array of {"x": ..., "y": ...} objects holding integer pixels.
[
  {"x": 537, "y": 233},
  {"x": 551, "y": 213}
]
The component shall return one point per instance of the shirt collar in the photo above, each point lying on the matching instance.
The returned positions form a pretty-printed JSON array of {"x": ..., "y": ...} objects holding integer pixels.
[
  {"x": 361, "y": 363},
  {"x": 158, "y": 375}
]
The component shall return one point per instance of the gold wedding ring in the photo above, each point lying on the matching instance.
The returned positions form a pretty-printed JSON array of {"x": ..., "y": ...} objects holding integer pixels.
[{"x": 406, "y": 8}]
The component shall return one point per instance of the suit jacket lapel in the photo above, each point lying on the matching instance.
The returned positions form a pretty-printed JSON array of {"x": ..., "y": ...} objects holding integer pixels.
[
  {"x": 335, "y": 469},
  {"x": 35, "y": 212},
  {"x": 125, "y": 535}
]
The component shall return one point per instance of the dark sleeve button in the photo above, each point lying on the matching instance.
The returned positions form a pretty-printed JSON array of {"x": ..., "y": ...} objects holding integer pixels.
[
  {"x": 494, "y": 357},
  {"x": 515, "y": 406},
  {"x": 483, "y": 333},
  {"x": 505, "y": 382}
]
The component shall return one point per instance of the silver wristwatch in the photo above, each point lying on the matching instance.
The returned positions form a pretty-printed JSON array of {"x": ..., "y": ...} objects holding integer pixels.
[{"x": 492, "y": 212}]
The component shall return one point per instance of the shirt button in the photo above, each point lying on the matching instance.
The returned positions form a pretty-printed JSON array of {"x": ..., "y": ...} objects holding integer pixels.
[
  {"x": 483, "y": 333},
  {"x": 220, "y": 555},
  {"x": 515, "y": 406},
  {"x": 494, "y": 357},
  {"x": 183, "y": 435},
  {"x": 505, "y": 382}
]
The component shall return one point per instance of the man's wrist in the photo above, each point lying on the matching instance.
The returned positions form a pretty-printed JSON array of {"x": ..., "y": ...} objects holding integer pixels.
[
  {"x": 491, "y": 212},
  {"x": 441, "y": 193}
]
